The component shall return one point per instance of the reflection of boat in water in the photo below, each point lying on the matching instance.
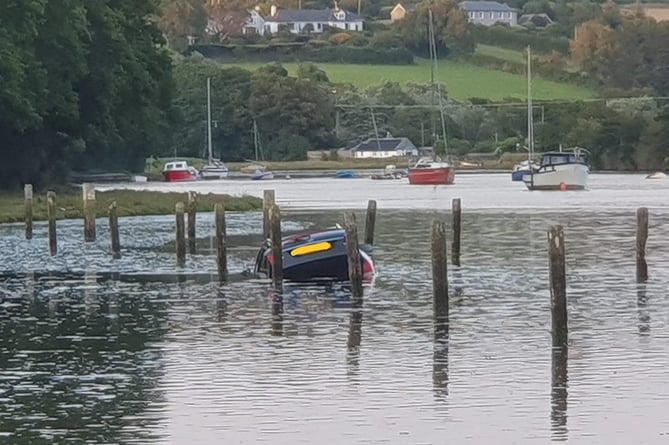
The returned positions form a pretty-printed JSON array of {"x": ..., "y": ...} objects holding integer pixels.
[{"x": 314, "y": 256}]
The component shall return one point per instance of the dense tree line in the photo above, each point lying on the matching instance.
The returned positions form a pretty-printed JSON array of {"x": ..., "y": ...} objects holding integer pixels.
[{"x": 85, "y": 84}]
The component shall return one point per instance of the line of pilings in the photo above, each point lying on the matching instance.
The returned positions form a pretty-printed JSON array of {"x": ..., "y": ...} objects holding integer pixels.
[{"x": 272, "y": 229}]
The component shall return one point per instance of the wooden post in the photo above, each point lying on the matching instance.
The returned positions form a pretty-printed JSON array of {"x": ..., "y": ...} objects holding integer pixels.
[
  {"x": 28, "y": 194},
  {"x": 559, "y": 382},
  {"x": 439, "y": 272},
  {"x": 277, "y": 248},
  {"x": 558, "y": 284},
  {"x": 353, "y": 255},
  {"x": 192, "y": 211},
  {"x": 51, "y": 214},
  {"x": 268, "y": 201},
  {"x": 181, "y": 241},
  {"x": 113, "y": 230},
  {"x": 457, "y": 215},
  {"x": 370, "y": 220},
  {"x": 641, "y": 238},
  {"x": 88, "y": 190},
  {"x": 221, "y": 245}
]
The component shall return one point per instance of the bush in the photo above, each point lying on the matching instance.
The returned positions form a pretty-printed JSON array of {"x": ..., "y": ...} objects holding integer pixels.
[
  {"x": 519, "y": 38},
  {"x": 340, "y": 38}
]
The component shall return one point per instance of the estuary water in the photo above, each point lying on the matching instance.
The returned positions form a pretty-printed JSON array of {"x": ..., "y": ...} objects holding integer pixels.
[{"x": 136, "y": 350}]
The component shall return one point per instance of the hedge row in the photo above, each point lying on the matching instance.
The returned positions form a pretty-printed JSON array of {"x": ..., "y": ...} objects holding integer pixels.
[
  {"x": 301, "y": 52},
  {"x": 519, "y": 38}
]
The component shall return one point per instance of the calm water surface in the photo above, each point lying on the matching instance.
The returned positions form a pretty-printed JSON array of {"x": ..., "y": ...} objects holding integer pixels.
[{"x": 138, "y": 351}]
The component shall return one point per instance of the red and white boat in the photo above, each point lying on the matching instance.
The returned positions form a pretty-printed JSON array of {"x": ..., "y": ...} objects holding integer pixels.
[
  {"x": 430, "y": 172},
  {"x": 179, "y": 171}
]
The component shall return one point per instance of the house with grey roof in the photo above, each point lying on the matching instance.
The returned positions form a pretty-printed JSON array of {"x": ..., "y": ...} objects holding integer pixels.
[
  {"x": 488, "y": 13},
  {"x": 304, "y": 21},
  {"x": 387, "y": 147}
]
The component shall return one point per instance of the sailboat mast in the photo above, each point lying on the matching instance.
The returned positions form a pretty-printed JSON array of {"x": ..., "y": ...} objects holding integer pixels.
[
  {"x": 433, "y": 44},
  {"x": 530, "y": 121},
  {"x": 209, "y": 119}
]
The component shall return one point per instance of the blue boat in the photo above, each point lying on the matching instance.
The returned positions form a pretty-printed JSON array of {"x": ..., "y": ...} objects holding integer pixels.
[
  {"x": 524, "y": 168},
  {"x": 345, "y": 174},
  {"x": 262, "y": 174}
]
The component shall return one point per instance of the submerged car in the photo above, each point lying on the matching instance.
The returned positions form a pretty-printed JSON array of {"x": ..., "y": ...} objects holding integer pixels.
[{"x": 314, "y": 256}]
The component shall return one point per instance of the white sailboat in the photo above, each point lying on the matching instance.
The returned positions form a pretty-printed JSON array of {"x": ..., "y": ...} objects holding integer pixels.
[
  {"x": 559, "y": 170},
  {"x": 215, "y": 169}
]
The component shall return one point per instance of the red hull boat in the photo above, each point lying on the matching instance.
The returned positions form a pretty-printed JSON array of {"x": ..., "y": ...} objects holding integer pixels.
[
  {"x": 431, "y": 173},
  {"x": 179, "y": 171}
]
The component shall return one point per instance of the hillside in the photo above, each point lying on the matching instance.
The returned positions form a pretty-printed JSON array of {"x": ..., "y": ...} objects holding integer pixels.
[{"x": 463, "y": 80}]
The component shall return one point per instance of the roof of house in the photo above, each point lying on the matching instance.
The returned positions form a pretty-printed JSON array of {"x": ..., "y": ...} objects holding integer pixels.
[
  {"x": 408, "y": 7},
  {"x": 309, "y": 15},
  {"x": 476, "y": 5},
  {"x": 380, "y": 144}
]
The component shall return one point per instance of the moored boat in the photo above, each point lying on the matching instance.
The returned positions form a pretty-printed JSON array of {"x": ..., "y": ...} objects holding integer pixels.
[
  {"x": 656, "y": 176},
  {"x": 522, "y": 169},
  {"x": 314, "y": 256},
  {"x": 214, "y": 169},
  {"x": 560, "y": 170},
  {"x": 345, "y": 174},
  {"x": 262, "y": 174},
  {"x": 179, "y": 171},
  {"x": 431, "y": 172}
]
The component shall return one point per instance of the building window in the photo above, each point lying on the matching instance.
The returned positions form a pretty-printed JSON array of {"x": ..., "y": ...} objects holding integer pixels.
[
  {"x": 319, "y": 26},
  {"x": 480, "y": 14}
]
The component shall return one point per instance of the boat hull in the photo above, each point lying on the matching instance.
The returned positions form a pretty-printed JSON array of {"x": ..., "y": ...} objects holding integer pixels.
[
  {"x": 517, "y": 175},
  {"x": 431, "y": 176},
  {"x": 214, "y": 174},
  {"x": 179, "y": 176},
  {"x": 558, "y": 177}
]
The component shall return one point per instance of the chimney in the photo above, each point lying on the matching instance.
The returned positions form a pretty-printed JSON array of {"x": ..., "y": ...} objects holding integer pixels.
[
  {"x": 272, "y": 10},
  {"x": 336, "y": 6}
]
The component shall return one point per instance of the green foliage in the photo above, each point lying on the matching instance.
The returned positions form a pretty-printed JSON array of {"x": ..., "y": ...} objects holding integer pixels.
[
  {"x": 84, "y": 83},
  {"x": 518, "y": 38},
  {"x": 312, "y": 72}
]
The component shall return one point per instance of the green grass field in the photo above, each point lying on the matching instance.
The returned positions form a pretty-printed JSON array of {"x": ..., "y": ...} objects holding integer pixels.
[
  {"x": 501, "y": 53},
  {"x": 462, "y": 80}
]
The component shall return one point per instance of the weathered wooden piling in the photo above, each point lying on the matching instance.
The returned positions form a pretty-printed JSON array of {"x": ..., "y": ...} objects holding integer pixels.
[
  {"x": 51, "y": 216},
  {"x": 192, "y": 212},
  {"x": 641, "y": 239},
  {"x": 113, "y": 231},
  {"x": 353, "y": 255},
  {"x": 558, "y": 285},
  {"x": 28, "y": 194},
  {"x": 370, "y": 221},
  {"x": 277, "y": 313},
  {"x": 277, "y": 251},
  {"x": 88, "y": 192},
  {"x": 180, "y": 235},
  {"x": 439, "y": 272},
  {"x": 457, "y": 224},
  {"x": 221, "y": 243},
  {"x": 268, "y": 200}
]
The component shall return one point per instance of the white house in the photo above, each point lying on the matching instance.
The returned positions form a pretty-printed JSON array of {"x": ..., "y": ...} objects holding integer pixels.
[
  {"x": 304, "y": 20},
  {"x": 488, "y": 13},
  {"x": 384, "y": 148}
]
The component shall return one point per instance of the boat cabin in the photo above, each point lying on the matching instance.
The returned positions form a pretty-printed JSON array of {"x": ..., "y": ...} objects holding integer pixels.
[
  {"x": 176, "y": 165},
  {"x": 562, "y": 157}
]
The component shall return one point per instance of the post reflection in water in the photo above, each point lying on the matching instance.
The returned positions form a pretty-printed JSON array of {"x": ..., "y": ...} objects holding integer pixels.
[
  {"x": 276, "y": 298},
  {"x": 642, "y": 308},
  {"x": 559, "y": 383},
  {"x": 353, "y": 343},
  {"x": 221, "y": 305},
  {"x": 440, "y": 357}
]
